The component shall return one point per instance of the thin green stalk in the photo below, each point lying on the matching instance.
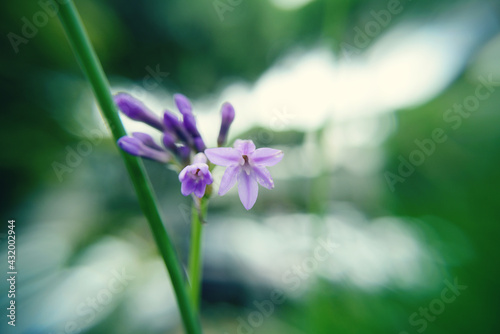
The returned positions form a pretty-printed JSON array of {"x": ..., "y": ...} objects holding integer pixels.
[
  {"x": 195, "y": 260},
  {"x": 91, "y": 66}
]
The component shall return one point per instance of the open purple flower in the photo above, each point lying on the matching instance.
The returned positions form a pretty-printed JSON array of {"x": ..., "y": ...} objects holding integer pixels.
[
  {"x": 195, "y": 177},
  {"x": 246, "y": 165}
]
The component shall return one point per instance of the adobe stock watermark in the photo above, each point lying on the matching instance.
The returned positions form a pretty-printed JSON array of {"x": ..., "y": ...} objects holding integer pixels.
[
  {"x": 223, "y": 6},
  {"x": 87, "y": 310},
  {"x": 453, "y": 116},
  {"x": 363, "y": 37},
  {"x": 279, "y": 119},
  {"x": 74, "y": 156},
  {"x": 420, "y": 320},
  {"x": 153, "y": 79},
  {"x": 31, "y": 26},
  {"x": 292, "y": 279}
]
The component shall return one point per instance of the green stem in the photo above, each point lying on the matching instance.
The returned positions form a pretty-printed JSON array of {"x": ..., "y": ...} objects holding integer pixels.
[
  {"x": 91, "y": 66},
  {"x": 198, "y": 215}
]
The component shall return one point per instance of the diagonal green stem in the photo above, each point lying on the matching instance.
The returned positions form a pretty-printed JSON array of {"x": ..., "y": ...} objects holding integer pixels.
[
  {"x": 195, "y": 260},
  {"x": 90, "y": 64}
]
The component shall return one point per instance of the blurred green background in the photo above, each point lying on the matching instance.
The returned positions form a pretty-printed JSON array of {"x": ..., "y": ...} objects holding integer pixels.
[{"x": 385, "y": 202}]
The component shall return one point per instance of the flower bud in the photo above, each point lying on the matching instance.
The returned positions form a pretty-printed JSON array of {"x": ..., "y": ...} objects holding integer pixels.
[
  {"x": 199, "y": 145},
  {"x": 146, "y": 140},
  {"x": 169, "y": 142},
  {"x": 190, "y": 125},
  {"x": 227, "y": 113},
  {"x": 183, "y": 104},
  {"x": 136, "y": 110},
  {"x": 173, "y": 124},
  {"x": 136, "y": 147}
]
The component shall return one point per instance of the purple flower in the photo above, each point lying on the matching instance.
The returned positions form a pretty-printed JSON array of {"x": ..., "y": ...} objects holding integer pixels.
[
  {"x": 246, "y": 165},
  {"x": 136, "y": 147},
  {"x": 196, "y": 177}
]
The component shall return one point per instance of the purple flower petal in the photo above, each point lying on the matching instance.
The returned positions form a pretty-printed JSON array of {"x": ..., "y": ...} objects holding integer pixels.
[
  {"x": 224, "y": 156},
  {"x": 244, "y": 146},
  {"x": 188, "y": 186},
  {"x": 199, "y": 189},
  {"x": 266, "y": 156},
  {"x": 263, "y": 177},
  {"x": 183, "y": 104},
  {"x": 229, "y": 179},
  {"x": 248, "y": 189}
]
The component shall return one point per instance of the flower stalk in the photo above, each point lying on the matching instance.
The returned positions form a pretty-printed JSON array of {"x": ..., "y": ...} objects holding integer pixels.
[
  {"x": 198, "y": 215},
  {"x": 91, "y": 66}
]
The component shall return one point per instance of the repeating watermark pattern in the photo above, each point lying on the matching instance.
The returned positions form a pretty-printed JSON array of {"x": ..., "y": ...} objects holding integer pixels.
[
  {"x": 292, "y": 279},
  {"x": 436, "y": 307},
  {"x": 154, "y": 78},
  {"x": 74, "y": 156},
  {"x": 87, "y": 310},
  {"x": 280, "y": 119},
  {"x": 453, "y": 116},
  {"x": 11, "y": 272},
  {"x": 223, "y": 6},
  {"x": 363, "y": 37},
  {"x": 30, "y": 27}
]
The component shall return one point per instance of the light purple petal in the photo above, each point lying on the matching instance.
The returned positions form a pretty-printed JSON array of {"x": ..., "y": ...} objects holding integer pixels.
[
  {"x": 266, "y": 156},
  {"x": 229, "y": 179},
  {"x": 263, "y": 177},
  {"x": 224, "y": 156},
  {"x": 182, "y": 174},
  {"x": 188, "y": 186},
  {"x": 248, "y": 189},
  {"x": 199, "y": 189},
  {"x": 244, "y": 146}
]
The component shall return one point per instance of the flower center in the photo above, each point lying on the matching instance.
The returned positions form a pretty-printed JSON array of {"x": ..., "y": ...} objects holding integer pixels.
[
  {"x": 245, "y": 157},
  {"x": 197, "y": 171}
]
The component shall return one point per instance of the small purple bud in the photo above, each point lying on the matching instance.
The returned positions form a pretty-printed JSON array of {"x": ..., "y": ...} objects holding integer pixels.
[
  {"x": 130, "y": 145},
  {"x": 199, "y": 145},
  {"x": 173, "y": 124},
  {"x": 170, "y": 120},
  {"x": 184, "y": 152},
  {"x": 169, "y": 141},
  {"x": 183, "y": 104},
  {"x": 136, "y": 147},
  {"x": 146, "y": 140},
  {"x": 190, "y": 125},
  {"x": 136, "y": 110},
  {"x": 227, "y": 113}
]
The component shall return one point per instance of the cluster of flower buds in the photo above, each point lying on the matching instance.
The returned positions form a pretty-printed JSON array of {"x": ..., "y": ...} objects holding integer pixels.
[{"x": 182, "y": 141}]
